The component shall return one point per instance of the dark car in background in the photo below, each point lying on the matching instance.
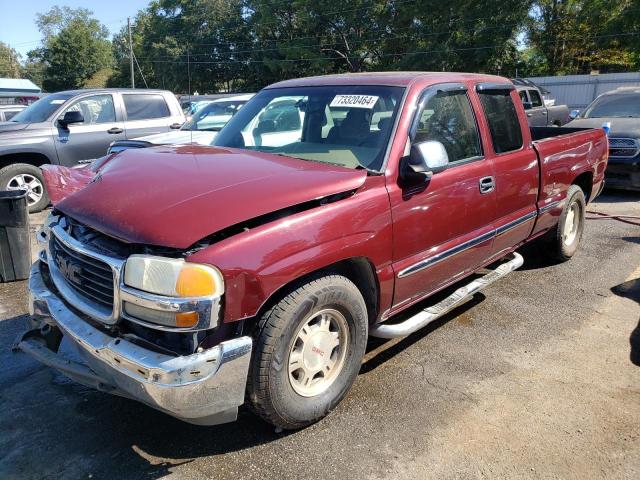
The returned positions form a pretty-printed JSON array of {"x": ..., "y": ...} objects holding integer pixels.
[
  {"x": 619, "y": 108},
  {"x": 68, "y": 127}
]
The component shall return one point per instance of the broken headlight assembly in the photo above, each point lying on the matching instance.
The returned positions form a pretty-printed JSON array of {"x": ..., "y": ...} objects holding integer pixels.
[{"x": 171, "y": 294}]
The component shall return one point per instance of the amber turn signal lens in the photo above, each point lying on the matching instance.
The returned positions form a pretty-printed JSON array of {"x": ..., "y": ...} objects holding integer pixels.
[
  {"x": 196, "y": 281},
  {"x": 186, "y": 319}
]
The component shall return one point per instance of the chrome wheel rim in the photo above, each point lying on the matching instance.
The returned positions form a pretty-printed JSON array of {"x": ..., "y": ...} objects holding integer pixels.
[
  {"x": 30, "y": 183},
  {"x": 571, "y": 224},
  {"x": 317, "y": 352}
]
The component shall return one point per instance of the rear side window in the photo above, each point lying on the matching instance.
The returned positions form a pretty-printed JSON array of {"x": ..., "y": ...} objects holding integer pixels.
[
  {"x": 536, "y": 101},
  {"x": 503, "y": 120},
  {"x": 145, "y": 106}
]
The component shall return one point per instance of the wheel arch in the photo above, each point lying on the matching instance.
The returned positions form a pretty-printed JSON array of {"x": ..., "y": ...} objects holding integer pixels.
[
  {"x": 360, "y": 270},
  {"x": 585, "y": 182},
  {"x": 30, "y": 158}
]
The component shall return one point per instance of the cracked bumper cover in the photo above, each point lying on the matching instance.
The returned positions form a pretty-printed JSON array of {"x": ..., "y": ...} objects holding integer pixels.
[{"x": 204, "y": 388}]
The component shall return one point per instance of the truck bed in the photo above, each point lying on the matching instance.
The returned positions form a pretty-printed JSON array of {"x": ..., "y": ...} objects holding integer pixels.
[
  {"x": 542, "y": 133},
  {"x": 563, "y": 152}
]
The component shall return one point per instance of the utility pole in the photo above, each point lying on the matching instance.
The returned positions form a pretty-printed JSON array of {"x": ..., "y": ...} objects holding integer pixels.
[{"x": 133, "y": 82}]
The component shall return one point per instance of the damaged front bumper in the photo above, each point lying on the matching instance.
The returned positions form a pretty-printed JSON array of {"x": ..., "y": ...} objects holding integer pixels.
[{"x": 204, "y": 388}]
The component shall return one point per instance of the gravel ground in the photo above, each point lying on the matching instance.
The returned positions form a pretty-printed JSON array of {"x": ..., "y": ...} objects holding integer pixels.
[{"x": 539, "y": 377}]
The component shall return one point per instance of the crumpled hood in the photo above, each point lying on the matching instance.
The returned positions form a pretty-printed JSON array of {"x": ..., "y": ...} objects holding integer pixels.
[
  {"x": 180, "y": 137},
  {"x": 620, "y": 127},
  {"x": 63, "y": 181},
  {"x": 175, "y": 196}
]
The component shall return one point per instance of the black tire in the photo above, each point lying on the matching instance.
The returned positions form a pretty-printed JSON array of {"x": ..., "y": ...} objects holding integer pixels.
[
  {"x": 7, "y": 174},
  {"x": 559, "y": 249},
  {"x": 270, "y": 391}
]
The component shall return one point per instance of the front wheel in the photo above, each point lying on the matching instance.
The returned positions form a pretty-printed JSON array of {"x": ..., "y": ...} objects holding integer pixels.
[
  {"x": 308, "y": 352},
  {"x": 564, "y": 239},
  {"x": 22, "y": 176}
]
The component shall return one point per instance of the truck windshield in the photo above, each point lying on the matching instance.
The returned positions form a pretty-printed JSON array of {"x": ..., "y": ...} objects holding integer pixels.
[
  {"x": 614, "y": 106},
  {"x": 214, "y": 116},
  {"x": 342, "y": 125},
  {"x": 42, "y": 109}
]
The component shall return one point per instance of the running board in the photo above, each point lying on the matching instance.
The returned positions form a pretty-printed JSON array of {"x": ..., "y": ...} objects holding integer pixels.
[{"x": 460, "y": 296}]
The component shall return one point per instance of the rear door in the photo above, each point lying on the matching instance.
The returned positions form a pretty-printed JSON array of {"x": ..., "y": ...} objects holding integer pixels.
[
  {"x": 515, "y": 163},
  {"x": 90, "y": 139},
  {"x": 444, "y": 228},
  {"x": 145, "y": 114}
]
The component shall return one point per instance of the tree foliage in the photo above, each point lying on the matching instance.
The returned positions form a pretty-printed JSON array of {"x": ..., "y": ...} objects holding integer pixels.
[
  {"x": 233, "y": 45},
  {"x": 75, "y": 48},
  {"x": 9, "y": 62},
  {"x": 578, "y": 36}
]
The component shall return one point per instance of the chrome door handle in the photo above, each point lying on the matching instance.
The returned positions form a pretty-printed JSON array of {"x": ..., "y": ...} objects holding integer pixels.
[
  {"x": 487, "y": 184},
  {"x": 115, "y": 131}
]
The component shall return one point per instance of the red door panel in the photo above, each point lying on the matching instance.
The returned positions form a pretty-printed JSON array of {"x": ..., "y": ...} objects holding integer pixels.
[{"x": 441, "y": 232}]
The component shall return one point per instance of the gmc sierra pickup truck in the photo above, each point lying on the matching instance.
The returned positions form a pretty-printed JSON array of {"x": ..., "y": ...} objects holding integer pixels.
[{"x": 254, "y": 271}]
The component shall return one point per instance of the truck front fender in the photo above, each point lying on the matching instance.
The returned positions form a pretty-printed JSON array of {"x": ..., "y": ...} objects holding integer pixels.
[{"x": 257, "y": 263}]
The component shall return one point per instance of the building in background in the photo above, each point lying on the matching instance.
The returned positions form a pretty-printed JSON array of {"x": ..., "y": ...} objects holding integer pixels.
[
  {"x": 578, "y": 91},
  {"x": 18, "y": 91}
]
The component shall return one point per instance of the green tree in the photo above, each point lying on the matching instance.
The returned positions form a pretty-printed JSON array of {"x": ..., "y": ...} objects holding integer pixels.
[
  {"x": 75, "y": 48},
  {"x": 9, "y": 62},
  {"x": 578, "y": 36}
]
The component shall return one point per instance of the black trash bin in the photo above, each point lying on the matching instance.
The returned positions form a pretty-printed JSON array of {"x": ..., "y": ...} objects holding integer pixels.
[{"x": 15, "y": 245}]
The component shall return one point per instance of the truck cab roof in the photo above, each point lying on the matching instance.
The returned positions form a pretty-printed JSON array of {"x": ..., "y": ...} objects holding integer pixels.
[{"x": 395, "y": 79}]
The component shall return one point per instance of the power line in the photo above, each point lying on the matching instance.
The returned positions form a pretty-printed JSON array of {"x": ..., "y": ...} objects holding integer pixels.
[{"x": 446, "y": 50}]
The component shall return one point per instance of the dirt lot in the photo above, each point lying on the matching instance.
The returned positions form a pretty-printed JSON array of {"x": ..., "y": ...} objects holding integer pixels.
[{"x": 537, "y": 378}]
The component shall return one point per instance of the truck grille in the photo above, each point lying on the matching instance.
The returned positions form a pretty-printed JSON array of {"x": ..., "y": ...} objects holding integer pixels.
[
  {"x": 623, "y": 147},
  {"x": 87, "y": 276}
]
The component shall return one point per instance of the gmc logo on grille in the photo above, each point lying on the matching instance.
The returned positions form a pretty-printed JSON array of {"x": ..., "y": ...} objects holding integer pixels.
[{"x": 68, "y": 269}]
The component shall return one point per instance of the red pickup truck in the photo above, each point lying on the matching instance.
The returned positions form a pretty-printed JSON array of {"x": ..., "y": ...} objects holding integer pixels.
[{"x": 196, "y": 279}]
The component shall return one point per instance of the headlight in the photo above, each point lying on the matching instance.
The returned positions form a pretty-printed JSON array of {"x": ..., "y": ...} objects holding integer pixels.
[
  {"x": 172, "y": 277},
  {"x": 182, "y": 293}
]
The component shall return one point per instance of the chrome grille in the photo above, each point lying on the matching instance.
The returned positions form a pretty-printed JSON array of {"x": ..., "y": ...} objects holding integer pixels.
[
  {"x": 623, "y": 147},
  {"x": 88, "y": 276}
]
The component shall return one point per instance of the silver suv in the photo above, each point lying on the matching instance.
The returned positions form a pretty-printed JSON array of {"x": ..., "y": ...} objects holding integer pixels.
[{"x": 65, "y": 128}]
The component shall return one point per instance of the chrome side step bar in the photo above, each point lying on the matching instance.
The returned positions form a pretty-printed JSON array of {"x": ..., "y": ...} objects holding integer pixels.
[{"x": 460, "y": 296}]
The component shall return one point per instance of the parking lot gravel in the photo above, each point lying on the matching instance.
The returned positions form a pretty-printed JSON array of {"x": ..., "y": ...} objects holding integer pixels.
[{"x": 538, "y": 377}]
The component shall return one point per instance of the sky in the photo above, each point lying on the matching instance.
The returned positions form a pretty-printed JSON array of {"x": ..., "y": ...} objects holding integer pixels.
[{"x": 19, "y": 30}]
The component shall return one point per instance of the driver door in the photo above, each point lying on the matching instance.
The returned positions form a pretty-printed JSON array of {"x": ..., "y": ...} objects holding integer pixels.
[
  {"x": 90, "y": 139},
  {"x": 443, "y": 227}
]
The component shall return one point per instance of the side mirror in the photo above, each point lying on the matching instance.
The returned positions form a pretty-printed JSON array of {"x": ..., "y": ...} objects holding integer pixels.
[
  {"x": 71, "y": 117},
  {"x": 424, "y": 160},
  {"x": 527, "y": 105},
  {"x": 574, "y": 114}
]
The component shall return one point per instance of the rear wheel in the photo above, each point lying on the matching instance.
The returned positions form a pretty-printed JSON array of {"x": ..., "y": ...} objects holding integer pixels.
[
  {"x": 22, "y": 176},
  {"x": 564, "y": 239},
  {"x": 308, "y": 352}
]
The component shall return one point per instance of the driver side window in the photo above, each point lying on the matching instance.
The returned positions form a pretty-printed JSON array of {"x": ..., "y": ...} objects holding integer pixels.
[
  {"x": 95, "y": 109},
  {"x": 448, "y": 118}
]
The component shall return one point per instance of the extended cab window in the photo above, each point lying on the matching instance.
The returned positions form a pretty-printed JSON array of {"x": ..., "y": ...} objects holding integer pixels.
[
  {"x": 503, "y": 120},
  {"x": 145, "y": 106},
  {"x": 95, "y": 109},
  {"x": 448, "y": 118}
]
